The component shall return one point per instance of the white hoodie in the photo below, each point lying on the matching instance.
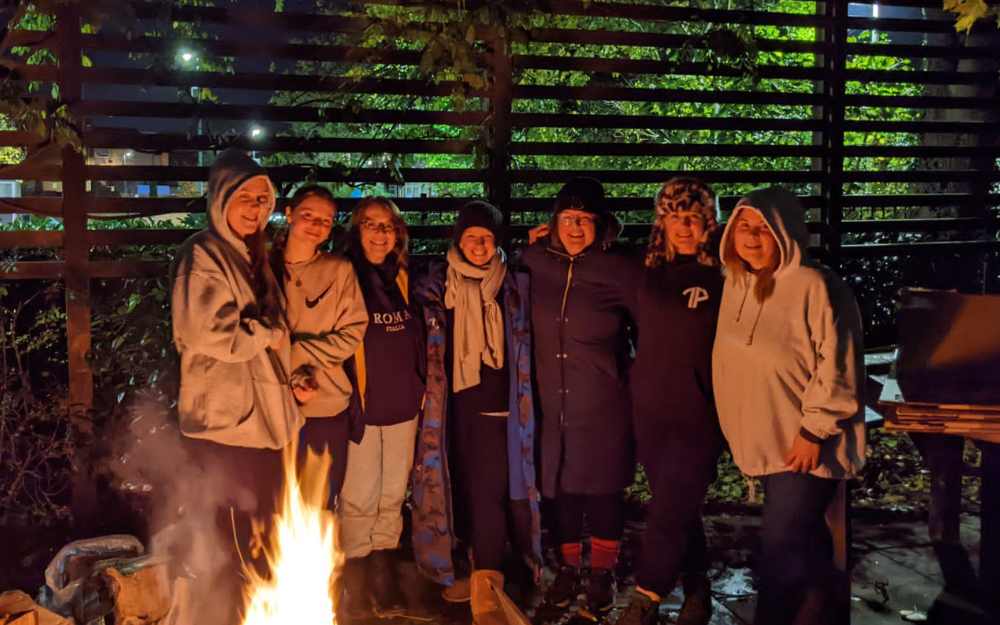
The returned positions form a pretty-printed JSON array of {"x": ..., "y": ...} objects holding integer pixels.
[
  {"x": 230, "y": 390},
  {"x": 794, "y": 363}
]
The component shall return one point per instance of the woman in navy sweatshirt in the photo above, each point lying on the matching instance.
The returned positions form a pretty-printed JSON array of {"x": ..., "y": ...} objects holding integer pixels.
[{"x": 677, "y": 430}]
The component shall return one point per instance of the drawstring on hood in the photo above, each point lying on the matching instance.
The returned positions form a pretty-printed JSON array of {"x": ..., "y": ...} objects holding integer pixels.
[{"x": 785, "y": 218}]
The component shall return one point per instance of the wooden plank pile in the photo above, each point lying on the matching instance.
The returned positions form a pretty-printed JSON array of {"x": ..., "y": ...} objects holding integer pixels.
[{"x": 978, "y": 422}]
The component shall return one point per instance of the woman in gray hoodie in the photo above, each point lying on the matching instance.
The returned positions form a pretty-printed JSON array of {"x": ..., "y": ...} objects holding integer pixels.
[
  {"x": 788, "y": 376},
  {"x": 236, "y": 406}
]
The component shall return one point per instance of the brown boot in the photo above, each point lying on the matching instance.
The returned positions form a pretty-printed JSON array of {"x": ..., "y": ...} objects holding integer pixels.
[{"x": 486, "y": 609}]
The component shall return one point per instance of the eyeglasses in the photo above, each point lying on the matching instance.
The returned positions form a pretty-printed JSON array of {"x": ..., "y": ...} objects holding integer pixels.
[
  {"x": 573, "y": 220},
  {"x": 374, "y": 227}
]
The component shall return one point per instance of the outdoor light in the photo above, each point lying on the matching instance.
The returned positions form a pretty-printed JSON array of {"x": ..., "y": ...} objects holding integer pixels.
[
  {"x": 256, "y": 131},
  {"x": 187, "y": 56}
]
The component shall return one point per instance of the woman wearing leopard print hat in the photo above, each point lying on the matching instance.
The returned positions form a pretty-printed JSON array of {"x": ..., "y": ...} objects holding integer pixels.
[{"x": 677, "y": 430}]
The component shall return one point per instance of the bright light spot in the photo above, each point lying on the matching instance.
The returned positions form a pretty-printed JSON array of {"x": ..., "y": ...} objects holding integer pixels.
[
  {"x": 256, "y": 131},
  {"x": 129, "y": 152},
  {"x": 187, "y": 56}
]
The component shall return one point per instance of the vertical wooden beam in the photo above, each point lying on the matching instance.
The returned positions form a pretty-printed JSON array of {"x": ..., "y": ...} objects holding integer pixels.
[
  {"x": 76, "y": 251},
  {"x": 500, "y": 124},
  {"x": 835, "y": 64}
]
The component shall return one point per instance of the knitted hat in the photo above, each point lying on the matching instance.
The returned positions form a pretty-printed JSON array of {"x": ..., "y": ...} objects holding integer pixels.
[
  {"x": 481, "y": 214},
  {"x": 582, "y": 194}
]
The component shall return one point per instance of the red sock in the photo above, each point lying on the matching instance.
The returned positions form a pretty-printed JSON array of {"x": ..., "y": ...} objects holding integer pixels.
[
  {"x": 603, "y": 553},
  {"x": 572, "y": 554}
]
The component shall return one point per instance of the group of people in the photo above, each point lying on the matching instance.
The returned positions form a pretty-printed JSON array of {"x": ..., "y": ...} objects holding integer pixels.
[{"x": 439, "y": 376}]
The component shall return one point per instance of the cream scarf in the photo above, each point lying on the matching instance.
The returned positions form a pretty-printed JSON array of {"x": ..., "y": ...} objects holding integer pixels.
[{"x": 478, "y": 331}]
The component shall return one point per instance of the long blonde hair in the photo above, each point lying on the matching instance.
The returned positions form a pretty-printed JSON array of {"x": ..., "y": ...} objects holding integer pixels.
[{"x": 739, "y": 270}]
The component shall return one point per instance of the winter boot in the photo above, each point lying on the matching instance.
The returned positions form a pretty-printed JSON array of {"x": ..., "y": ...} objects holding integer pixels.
[
  {"x": 642, "y": 610},
  {"x": 460, "y": 591},
  {"x": 600, "y": 590},
  {"x": 564, "y": 588},
  {"x": 353, "y": 604},
  {"x": 486, "y": 608},
  {"x": 387, "y": 597},
  {"x": 697, "y": 607}
]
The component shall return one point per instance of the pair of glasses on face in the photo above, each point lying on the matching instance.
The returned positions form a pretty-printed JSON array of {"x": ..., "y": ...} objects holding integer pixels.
[
  {"x": 582, "y": 221},
  {"x": 375, "y": 227}
]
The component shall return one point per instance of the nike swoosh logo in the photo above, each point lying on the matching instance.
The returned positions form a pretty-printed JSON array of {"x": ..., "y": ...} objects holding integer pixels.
[{"x": 312, "y": 303}]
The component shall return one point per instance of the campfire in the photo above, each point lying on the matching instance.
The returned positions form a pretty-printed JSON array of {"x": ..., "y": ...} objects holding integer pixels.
[{"x": 302, "y": 555}]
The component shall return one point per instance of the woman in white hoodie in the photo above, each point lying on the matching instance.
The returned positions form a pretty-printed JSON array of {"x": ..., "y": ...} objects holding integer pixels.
[
  {"x": 788, "y": 374},
  {"x": 236, "y": 405}
]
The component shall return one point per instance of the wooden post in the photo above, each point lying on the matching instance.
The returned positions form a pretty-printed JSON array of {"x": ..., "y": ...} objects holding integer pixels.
[
  {"x": 76, "y": 251},
  {"x": 500, "y": 112},
  {"x": 835, "y": 64}
]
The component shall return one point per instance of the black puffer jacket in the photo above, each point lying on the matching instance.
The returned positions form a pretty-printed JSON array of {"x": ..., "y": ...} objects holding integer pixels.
[{"x": 581, "y": 327}]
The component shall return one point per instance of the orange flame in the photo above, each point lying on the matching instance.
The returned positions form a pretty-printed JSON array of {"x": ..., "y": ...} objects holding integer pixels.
[{"x": 304, "y": 556}]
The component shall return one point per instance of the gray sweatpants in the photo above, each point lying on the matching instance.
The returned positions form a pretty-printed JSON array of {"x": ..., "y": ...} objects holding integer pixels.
[{"x": 371, "y": 501}]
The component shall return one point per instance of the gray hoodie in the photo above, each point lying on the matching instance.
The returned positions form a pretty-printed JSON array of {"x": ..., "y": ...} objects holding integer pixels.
[
  {"x": 232, "y": 390},
  {"x": 793, "y": 363}
]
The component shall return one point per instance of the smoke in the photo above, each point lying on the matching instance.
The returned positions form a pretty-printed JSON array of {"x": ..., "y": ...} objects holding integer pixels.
[{"x": 195, "y": 496}]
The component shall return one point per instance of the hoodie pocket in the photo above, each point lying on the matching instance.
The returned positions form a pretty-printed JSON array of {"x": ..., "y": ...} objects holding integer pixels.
[{"x": 229, "y": 395}]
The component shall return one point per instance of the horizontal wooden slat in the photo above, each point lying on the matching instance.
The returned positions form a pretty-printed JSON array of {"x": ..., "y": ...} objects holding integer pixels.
[
  {"x": 632, "y": 66},
  {"x": 680, "y": 14},
  {"x": 256, "y": 81},
  {"x": 535, "y": 120},
  {"x": 290, "y": 173},
  {"x": 10, "y": 239},
  {"x": 916, "y": 175},
  {"x": 918, "y": 225},
  {"x": 955, "y": 52},
  {"x": 141, "y": 236},
  {"x": 328, "y": 115},
  {"x": 919, "y": 248},
  {"x": 919, "y": 127},
  {"x": 48, "y": 206},
  {"x": 111, "y": 138},
  {"x": 241, "y": 15},
  {"x": 922, "y": 199},
  {"x": 652, "y": 177},
  {"x": 624, "y": 94},
  {"x": 918, "y": 77},
  {"x": 884, "y": 24},
  {"x": 664, "y": 149},
  {"x": 656, "y": 40},
  {"x": 922, "y": 102}
]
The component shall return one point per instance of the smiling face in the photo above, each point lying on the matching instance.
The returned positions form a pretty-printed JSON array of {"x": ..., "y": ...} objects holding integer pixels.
[
  {"x": 311, "y": 221},
  {"x": 478, "y": 245},
  {"x": 685, "y": 230},
  {"x": 576, "y": 230},
  {"x": 378, "y": 234},
  {"x": 753, "y": 240},
  {"x": 245, "y": 209}
]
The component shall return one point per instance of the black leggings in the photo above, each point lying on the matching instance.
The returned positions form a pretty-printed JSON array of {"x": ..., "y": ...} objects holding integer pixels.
[
  {"x": 605, "y": 516},
  {"x": 481, "y": 447},
  {"x": 674, "y": 541},
  {"x": 333, "y": 434}
]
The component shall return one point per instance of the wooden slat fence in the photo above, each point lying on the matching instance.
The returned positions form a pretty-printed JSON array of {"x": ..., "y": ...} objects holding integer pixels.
[{"x": 883, "y": 120}]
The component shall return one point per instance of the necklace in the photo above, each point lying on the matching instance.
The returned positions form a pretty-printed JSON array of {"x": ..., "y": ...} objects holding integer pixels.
[{"x": 305, "y": 268}]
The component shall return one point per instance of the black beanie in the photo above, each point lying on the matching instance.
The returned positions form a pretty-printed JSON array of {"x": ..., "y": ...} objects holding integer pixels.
[
  {"x": 478, "y": 213},
  {"x": 582, "y": 193}
]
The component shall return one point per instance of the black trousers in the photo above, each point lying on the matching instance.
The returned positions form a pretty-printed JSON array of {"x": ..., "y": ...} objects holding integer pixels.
[
  {"x": 484, "y": 483},
  {"x": 332, "y": 433},
  {"x": 604, "y": 514},
  {"x": 674, "y": 541},
  {"x": 796, "y": 553}
]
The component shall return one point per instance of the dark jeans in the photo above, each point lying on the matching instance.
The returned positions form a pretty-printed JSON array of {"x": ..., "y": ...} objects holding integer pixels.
[
  {"x": 605, "y": 515},
  {"x": 333, "y": 434},
  {"x": 236, "y": 485},
  {"x": 796, "y": 552},
  {"x": 481, "y": 449},
  {"x": 675, "y": 536}
]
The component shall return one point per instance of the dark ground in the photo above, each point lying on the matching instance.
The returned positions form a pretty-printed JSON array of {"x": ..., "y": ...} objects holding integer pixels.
[{"x": 895, "y": 570}]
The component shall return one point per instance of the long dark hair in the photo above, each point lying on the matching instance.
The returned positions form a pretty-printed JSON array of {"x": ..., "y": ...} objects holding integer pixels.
[{"x": 265, "y": 286}]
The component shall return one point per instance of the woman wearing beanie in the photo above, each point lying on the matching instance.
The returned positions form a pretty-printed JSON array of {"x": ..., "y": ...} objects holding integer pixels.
[
  {"x": 677, "y": 431},
  {"x": 482, "y": 305},
  {"x": 581, "y": 285},
  {"x": 327, "y": 319},
  {"x": 390, "y": 369},
  {"x": 236, "y": 406},
  {"x": 787, "y": 370}
]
